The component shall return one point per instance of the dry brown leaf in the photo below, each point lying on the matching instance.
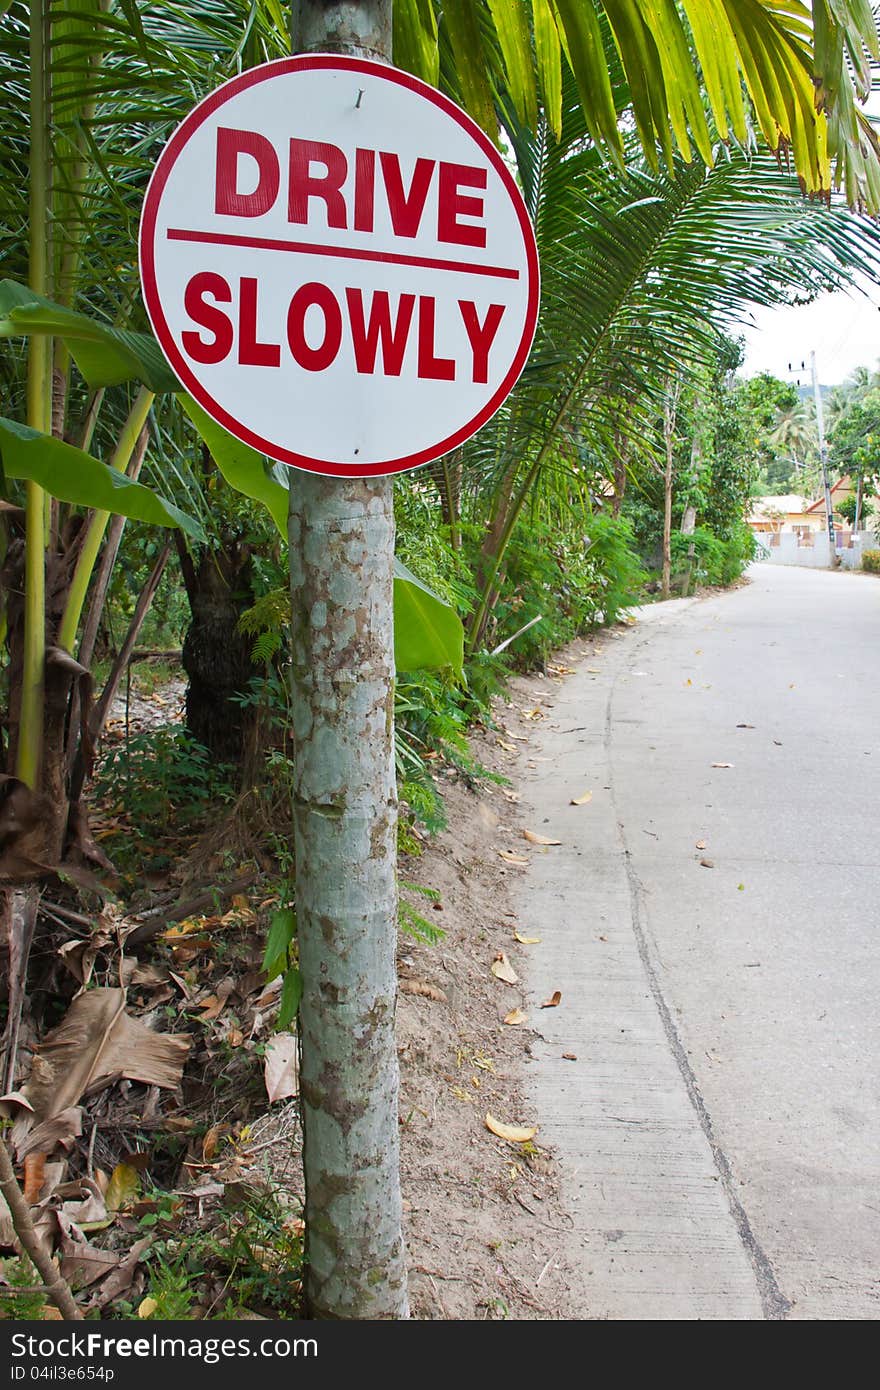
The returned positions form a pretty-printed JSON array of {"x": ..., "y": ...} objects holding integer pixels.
[
  {"x": 516, "y": 1016},
  {"x": 179, "y": 1124},
  {"x": 211, "y": 1141},
  {"x": 722, "y": 764},
  {"x": 569, "y": 1056},
  {"x": 581, "y": 800},
  {"x": 708, "y": 863},
  {"x": 527, "y": 940},
  {"x": 503, "y": 970},
  {"x": 94, "y": 1041},
  {"x": 235, "y": 1037},
  {"x": 510, "y": 858},
  {"x": 554, "y": 1001},
  {"x": 422, "y": 988},
  {"x": 701, "y": 844},
  {"x": 119, "y": 1280},
  {"x": 281, "y": 1071},
  {"x": 8, "y": 1237},
  {"x": 211, "y": 1007},
  {"x": 514, "y": 1134},
  {"x": 14, "y": 1099},
  {"x": 82, "y": 1263},
  {"x": 90, "y": 1212},
  {"x": 34, "y": 1167},
  {"x": 536, "y": 839}
]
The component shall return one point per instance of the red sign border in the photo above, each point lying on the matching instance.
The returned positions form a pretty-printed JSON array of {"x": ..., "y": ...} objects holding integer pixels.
[{"x": 167, "y": 159}]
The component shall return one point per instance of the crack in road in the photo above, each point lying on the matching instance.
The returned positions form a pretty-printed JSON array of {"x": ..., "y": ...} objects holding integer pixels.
[{"x": 773, "y": 1301}]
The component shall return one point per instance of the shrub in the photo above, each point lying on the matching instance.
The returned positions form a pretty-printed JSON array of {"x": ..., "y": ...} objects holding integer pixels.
[
  {"x": 871, "y": 561},
  {"x": 575, "y": 580},
  {"x": 715, "y": 561}
]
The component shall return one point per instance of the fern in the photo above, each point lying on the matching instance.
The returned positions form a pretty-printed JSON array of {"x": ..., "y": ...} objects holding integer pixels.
[
  {"x": 412, "y": 923},
  {"x": 265, "y": 621}
]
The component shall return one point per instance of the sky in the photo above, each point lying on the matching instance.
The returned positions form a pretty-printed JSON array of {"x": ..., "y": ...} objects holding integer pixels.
[{"x": 843, "y": 330}]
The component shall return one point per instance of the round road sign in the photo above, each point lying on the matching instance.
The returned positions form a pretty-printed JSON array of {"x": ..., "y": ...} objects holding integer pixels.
[{"x": 338, "y": 265}]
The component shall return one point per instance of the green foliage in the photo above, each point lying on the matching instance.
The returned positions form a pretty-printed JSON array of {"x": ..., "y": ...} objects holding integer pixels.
[
  {"x": 764, "y": 397},
  {"x": 847, "y": 509},
  {"x": 74, "y": 476},
  {"x": 159, "y": 778},
  {"x": 279, "y": 959},
  {"x": 412, "y": 923},
  {"x": 716, "y": 561},
  {"x": 291, "y": 994},
  {"x": 19, "y": 1273},
  {"x": 617, "y": 567},
  {"x": 256, "y": 1252},
  {"x": 266, "y": 621},
  {"x": 855, "y": 439},
  {"x": 574, "y": 579},
  {"x": 282, "y": 933},
  {"x": 424, "y": 547},
  {"x": 871, "y": 561}
]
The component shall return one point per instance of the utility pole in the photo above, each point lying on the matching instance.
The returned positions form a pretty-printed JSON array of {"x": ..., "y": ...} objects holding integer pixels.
[
  {"x": 823, "y": 456},
  {"x": 345, "y": 835}
]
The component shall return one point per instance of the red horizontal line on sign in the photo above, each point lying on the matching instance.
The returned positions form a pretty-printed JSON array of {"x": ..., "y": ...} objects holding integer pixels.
[{"x": 307, "y": 248}]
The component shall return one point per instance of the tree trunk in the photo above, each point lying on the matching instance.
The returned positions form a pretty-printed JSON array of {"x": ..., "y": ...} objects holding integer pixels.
[
  {"x": 345, "y": 837},
  {"x": 345, "y": 823},
  {"x": 670, "y": 406},
  {"x": 216, "y": 656}
]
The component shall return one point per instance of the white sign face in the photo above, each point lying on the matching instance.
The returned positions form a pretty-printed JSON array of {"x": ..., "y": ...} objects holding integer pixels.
[{"x": 338, "y": 265}]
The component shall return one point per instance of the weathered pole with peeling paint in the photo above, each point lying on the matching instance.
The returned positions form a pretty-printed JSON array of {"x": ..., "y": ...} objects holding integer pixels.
[{"x": 345, "y": 832}]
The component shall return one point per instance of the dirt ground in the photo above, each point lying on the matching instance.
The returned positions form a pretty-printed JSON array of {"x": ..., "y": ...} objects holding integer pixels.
[{"x": 487, "y": 1235}]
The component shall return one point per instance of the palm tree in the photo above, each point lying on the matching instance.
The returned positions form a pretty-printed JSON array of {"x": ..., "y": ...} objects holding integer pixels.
[
  {"x": 639, "y": 271},
  {"x": 796, "y": 431},
  {"x": 692, "y": 72},
  {"x": 108, "y": 78}
]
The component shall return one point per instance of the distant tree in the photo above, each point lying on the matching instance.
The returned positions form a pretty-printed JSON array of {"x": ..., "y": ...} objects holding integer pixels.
[
  {"x": 797, "y": 436},
  {"x": 855, "y": 447},
  {"x": 766, "y": 398}
]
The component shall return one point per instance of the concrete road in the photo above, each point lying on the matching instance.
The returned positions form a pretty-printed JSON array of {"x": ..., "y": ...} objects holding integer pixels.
[{"x": 715, "y": 933}]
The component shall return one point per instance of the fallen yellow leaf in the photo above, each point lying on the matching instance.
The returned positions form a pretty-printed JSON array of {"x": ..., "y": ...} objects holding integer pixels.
[
  {"x": 554, "y": 1001},
  {"x": 581, "y": 800},
  {"x": 123, "y": 1187},
  {"x": 510, "y": 858},
  {"x": 515, "y": 1016},
  {"x": 527, "y": 940},
  {"x": 503, "y": 970},
  {"x": 514, "y": 1134},
  {"x": 147, "y": 1307},
  {"x": 535, "y": 839}
]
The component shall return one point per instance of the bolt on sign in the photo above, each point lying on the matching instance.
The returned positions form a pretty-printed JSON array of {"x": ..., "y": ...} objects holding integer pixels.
[{"x": 338, "y": 265}]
